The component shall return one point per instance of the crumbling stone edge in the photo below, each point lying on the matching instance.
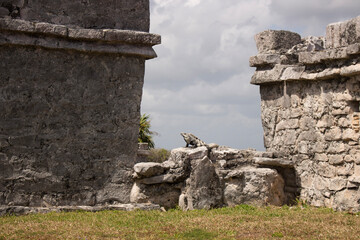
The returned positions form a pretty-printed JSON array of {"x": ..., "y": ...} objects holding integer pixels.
[
  {"x": 284, "y": 56},
  {"x": 53, "y": 36},
  {"x": 22, "y": 210}
]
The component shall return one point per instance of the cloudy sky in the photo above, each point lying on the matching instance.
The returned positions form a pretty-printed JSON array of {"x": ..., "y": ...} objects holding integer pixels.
[{"x": 200, "y": 81}]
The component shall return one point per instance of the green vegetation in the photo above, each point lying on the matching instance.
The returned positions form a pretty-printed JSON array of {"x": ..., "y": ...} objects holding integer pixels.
[
  {"x": 145, "y": 135},
  {"x": 240, "y": 222},
  {"x": 158, "y": 155}
]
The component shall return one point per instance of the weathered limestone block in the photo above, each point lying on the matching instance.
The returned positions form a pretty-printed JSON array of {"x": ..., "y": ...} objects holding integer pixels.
[
  {"x": 343, "y": 96},
  {"x": 319, "y": 146},
  {"x": 336, "y": 147},
  {"x": 211, "y": 146},
  {"x": 283, "y": 114},
  {"x": 336, "y": 159},
  {"x": 188, "y": 153},
  {"x": 315, "y": 197},
  {"x": 164, "y": 194},
  {"x": 355, "y": 178},
  {"x": 337, "y": 184},
  {"x": 197, "y": 153},
  {"x": 290, "y": 137},
  {"x": 202, "y": 191},
  {"x": 225, "y": 153},
  {"x": 263, "y": 154},
  {"x": 321, "y": 183},
  {"x": 287, "y": 124},
  {"x": 268, "y": 76},
  {"x": 292, "y": 73},
  {"x": 308, "y": 44},
  {"x": 264, "y": 59},
  {"x": 321, "y": 157},
  {"x": 309, "y": 136},
  {"x": 277, "y": 162},
  {"x": 349, "y": 71},
  {"x": 326, "y": 170},
  {"x": 333, "y": 134},
  {"x": 346, "y": 169},
  {"x": 307, "y": 180},
  {"x": 353, "y": 49},
  {"x": 303, "y": 147},
  {"x": 343, "y": 33},
  {"x": 171, "y": 171},
  {"x": 321, "y": 56},
  {"x": 355, "y": 154},
  {"x": 164, "y": 178},
  {"x": 348, "y": 158},
  {"x": 295, "y": 112},
  {"x": 249, "y": 185},
  {"x": 348, "y": 134},
  {"x": 307, "y": 123},
  {"x": 271, "y": 40},
  {"x": 347, "y": 200},
  {"x": 148, "y": 169}
]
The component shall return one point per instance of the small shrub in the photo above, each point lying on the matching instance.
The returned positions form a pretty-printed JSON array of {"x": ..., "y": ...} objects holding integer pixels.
[
  {"x": 301, "y": 203},
  {"x": 246, "y": 208},
  {"x": 277, "y": 235},
  {"x": 158, "y": 155}
]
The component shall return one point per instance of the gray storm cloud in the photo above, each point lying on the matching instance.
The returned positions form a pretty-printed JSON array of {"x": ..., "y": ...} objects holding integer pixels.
[{"x": 200, "y": 81}]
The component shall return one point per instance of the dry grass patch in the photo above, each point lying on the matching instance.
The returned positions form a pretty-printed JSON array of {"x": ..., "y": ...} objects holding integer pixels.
[{"x": 241, "y": 222}]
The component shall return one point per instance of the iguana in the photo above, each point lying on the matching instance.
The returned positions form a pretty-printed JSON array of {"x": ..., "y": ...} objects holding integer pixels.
[{"x": 193, "y": 140}]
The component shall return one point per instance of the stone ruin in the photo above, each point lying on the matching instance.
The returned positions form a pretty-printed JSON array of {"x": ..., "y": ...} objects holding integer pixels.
[
  {"x": 216, "y": 176},
  {"x": 71, "y": 78},
  {"x": 310, "y": 104},
  {"x": 70, "y": 92},
  {"x": 310, "y": 95}
]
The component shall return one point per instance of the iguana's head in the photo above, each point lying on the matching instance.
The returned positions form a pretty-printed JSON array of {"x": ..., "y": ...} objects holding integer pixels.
[{"x": 185, "y": 136}]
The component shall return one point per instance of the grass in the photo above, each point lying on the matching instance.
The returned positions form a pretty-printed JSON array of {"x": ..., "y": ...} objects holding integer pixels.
[{"x": 240, "y": 222}]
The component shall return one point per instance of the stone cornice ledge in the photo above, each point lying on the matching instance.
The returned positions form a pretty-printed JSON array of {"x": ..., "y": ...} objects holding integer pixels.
[
  {"x": 21, "y": 32},
  {"x": 282, "y": 73}
]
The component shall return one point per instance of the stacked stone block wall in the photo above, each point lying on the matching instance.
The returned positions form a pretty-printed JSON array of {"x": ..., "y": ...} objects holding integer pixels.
[
  {"x": 310, "y": 94},
  {"x": 70, "y": 93}
]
